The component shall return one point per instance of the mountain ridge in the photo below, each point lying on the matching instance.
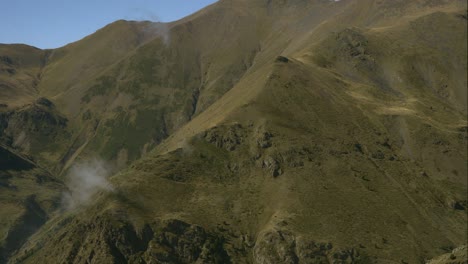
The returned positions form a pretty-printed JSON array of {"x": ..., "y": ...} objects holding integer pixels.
[{"x": 259, "y": 132}]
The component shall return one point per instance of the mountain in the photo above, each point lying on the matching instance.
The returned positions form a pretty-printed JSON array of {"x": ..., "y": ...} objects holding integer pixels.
[
  {"x": 261, "y": 131},
  {"x": 29, "y": 197}
]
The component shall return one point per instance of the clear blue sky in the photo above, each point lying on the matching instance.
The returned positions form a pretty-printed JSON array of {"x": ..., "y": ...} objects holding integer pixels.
[{"x": 54, "y": 23}]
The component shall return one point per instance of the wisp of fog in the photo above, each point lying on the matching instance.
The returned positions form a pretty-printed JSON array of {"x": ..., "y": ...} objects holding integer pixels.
[{"x": 84, "y": 180}]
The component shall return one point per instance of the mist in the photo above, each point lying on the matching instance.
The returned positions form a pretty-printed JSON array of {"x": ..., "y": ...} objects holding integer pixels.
[
  {"x": 84, "y": 180},
  {"x": 161, "y": 30},
  {"x": 157, "y": 28}
]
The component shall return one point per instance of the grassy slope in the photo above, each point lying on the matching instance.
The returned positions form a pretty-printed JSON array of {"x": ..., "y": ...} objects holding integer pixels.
[
  {"x": 29, "y": 195},
  {"x": 146, "y": 79},
  {"x": 358, "y": 140},
  {"x": 20, "y": 68}
]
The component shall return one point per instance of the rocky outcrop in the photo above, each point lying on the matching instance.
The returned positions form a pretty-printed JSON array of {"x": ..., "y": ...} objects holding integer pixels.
[
  {"x": 273, "y": 166},
  {"x": 276, "y": 247},
  {"x": 27, "y": 129},
  {"x": 109, "y": 239},
  {"x": 226, "y": 137},
  {"x": 282, "y": 59},
  {"x": 457, "y": 256},
  {"x": 264, "y": 139},
  {"x": 39, "y": 117},
  {"x": 283, "y": 246},
  {"x": 180, "y": 242}
]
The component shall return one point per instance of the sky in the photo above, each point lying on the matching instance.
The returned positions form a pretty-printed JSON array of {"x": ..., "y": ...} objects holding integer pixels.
[{"x": 54, "y": 23}]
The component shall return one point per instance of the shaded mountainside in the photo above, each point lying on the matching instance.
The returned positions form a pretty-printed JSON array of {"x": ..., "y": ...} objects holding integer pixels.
[
  {"x": 37, "y": 129},
  {"x": 28, "y": 197},
  {"x": 251, "y": 132}
]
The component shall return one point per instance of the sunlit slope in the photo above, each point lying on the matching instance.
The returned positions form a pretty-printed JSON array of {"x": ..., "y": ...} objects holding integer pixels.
[
  {"x": 349, "y": 148},
  {"x": 20, "y": 73},
  {"x": 146, "y": 79}
]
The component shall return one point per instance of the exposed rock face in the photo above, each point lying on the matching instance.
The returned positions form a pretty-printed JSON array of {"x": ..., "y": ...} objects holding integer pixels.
[
  {"x": 457, "y": 256},
  {"x": 272, "y": 166},
  {"x": 107, "y": 240},
  {"x": 276, "y": 247},
  {"x": 27, "y": 128},
  {"x": 45, "y": 102},
  {"x": 226, "y": 137},
  {"x": 264, "y": 139},
  {"x": 179, "y": 242},
  {"x": 282, "y": 59},
  {"x": 282, "y": 246}
]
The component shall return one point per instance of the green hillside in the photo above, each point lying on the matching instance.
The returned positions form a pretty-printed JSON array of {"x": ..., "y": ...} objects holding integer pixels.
[{"x": 250, "y": 132}]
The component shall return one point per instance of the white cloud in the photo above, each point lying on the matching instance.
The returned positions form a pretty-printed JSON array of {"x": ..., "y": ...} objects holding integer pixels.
[{"x": 84, "y": 180}]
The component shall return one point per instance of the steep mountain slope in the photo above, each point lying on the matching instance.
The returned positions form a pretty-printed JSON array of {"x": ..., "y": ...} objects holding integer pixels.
[
  {"x": 20, "y": 69},
  {"x": 145, "y": 78},
  {"x": 29, "y": 195},
  {"x": 37, "y": 129},
  {"x": 284, "y": 132}
]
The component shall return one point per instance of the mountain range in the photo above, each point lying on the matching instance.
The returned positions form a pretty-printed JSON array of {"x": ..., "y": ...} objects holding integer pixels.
[{"x": 253, "y": 131}]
